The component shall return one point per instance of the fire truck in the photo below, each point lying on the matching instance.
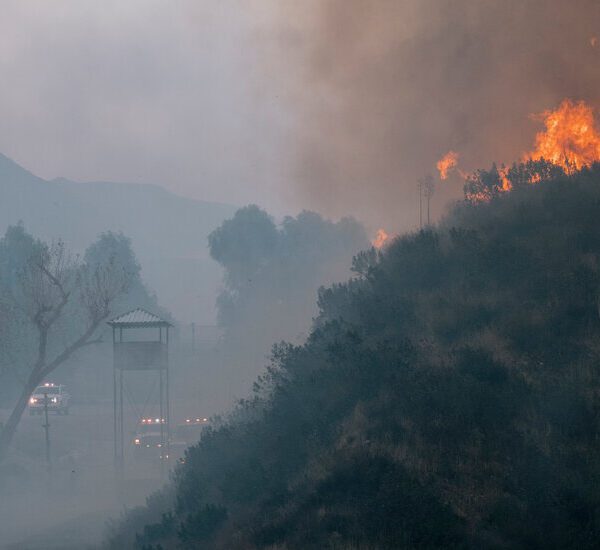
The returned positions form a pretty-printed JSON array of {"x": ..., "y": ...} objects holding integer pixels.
[
  {"x": 148, "y": 441},
  {"x": 54, "y": 396},
  {"x": 149, "y": 437}
]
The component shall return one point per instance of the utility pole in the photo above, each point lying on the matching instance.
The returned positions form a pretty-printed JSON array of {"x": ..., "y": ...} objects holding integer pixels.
[
  {"x": 427, "y": 188},
  {"x": 46, "y": 427},
  {"x": 420, "y": 186},
  {"x": 428, "y": 201}
]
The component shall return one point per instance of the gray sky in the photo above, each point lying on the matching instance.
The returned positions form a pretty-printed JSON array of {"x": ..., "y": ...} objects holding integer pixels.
[
  {"x": 154, "y": 91},
  {"x": 335, "y": 105}
]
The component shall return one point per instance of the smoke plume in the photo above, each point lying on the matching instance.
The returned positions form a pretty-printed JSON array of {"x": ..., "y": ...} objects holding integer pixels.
[{"x": 382, "y": 89}]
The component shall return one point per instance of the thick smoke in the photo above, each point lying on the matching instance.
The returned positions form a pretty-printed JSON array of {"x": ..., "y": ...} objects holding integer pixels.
[{"x": 382, "y": 89}]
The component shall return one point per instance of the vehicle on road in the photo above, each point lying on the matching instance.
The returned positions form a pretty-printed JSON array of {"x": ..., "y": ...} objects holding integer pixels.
[
  {"x": 54, "y": 395},
  {"x": 149, "y": 437},
  {"x": 148, "y": 440}
]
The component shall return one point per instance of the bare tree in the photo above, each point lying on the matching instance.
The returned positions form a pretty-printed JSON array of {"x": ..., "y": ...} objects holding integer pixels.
[{"x": 53, "y": 286}]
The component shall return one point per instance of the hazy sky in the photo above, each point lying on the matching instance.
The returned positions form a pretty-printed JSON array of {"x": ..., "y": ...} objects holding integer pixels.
[
  {"x": 141, "y": 90},
  {"x": 335, "y": 105}
]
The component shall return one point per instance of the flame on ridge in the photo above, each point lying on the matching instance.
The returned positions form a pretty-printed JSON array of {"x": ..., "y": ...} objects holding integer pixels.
[
  {"x": 570, "y": 138},
  {"x": 447, "y": 163},
  {"x": 380, "y": 239}
]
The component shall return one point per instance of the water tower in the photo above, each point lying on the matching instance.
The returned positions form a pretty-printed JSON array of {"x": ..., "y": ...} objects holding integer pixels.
[{"x": 140, "y": 343}]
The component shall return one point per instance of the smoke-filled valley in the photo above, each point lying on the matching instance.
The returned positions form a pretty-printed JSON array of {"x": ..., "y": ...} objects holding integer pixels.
[
  {"x": 55, "y": 302},
  {"x": 284, "y": 275}
]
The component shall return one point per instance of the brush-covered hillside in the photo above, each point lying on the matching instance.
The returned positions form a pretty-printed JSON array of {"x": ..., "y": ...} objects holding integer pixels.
[{"x": 448, "y": 397}]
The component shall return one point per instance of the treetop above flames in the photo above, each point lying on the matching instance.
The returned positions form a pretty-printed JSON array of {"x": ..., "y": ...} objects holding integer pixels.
[{"x": 484, "y": 185}]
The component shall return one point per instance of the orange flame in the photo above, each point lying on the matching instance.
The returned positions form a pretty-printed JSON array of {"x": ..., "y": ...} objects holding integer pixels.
[
  {"x": 447, "y": 163},
  {"x": 503, "y": 173},
  {"x": 570, "y": 139},
  {"x": 380, "y": 239}
]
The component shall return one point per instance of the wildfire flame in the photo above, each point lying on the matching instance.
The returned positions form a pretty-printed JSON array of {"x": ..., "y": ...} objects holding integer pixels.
[
  {"x": 447, "y": 163},
  {"x": 380, "y": 239},
  {"x": 570, "y": 139},
  {"x": 503, "y": 173}
]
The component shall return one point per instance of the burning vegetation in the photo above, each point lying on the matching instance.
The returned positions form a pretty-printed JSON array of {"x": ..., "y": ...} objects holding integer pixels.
[
  {"x": 569, "y": 142},
  {"x": 381, "y": 238},
  {"x": 447, "y": 163},
  {"x": 570, "y": 138}
]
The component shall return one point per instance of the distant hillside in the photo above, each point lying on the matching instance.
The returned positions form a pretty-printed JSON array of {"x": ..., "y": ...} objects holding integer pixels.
[
  {"x": 168, "y": 232},
  {"x": 447, "y": 397}
]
